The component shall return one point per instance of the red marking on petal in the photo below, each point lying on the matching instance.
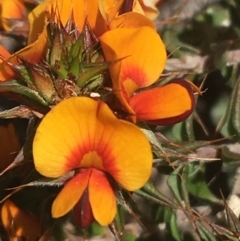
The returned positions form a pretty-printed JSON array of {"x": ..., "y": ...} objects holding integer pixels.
[{"x": 132, "y": 78}]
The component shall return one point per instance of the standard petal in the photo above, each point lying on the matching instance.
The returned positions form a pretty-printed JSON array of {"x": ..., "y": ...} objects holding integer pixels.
[
  {"x": 81, "y": 132},
  {"x": 164, "y": 105},
  {"x": 70, "y": 194},
  {"x": 102, "y": 198},
  {"x": 141, "y": 61}
]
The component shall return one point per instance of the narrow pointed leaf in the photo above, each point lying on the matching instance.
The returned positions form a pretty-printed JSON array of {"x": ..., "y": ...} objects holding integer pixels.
[
  {"x": 117, "y": 226},
  {"x": 196, "y": 183},
  {"x": 230, "y": 156},
  {"x": 205, "y": 234},
  {"x": 75, "y": 66},
  {"x": 77, "y": 47},
  {"x": 230, "y": 123},
  {"x": 23, "y": 73},
  {"x": 14, "y": 87},
  {"x": 43, "y": 82},
  {"x": 172, "y": 230},
  {"x": 16, "y": 112},
  {"x": 233, "y": 221},
  {"x": 174, "y": 182},
  {"x": 151, "y": 137},
  {"x": 91, "y": 73},
  {"x": 224, "y": 233},
  {"x": 152, "y": 191},
  {"x": 45, "y": 181}
]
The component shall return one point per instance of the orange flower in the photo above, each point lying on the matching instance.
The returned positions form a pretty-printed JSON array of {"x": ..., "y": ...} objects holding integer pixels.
[
  {"x": 19, "y": 225},
  {"x": 82, "y": 134},
  {"x": 142, "y": 62}
]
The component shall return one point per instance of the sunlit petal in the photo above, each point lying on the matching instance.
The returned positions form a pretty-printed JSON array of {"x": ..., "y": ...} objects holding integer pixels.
[
  {"x": 129, "y": 158},
  {"x": 33, "y": 53},
  {"x": 70, "y": 194},
  {"x": 102, "y": 198},
  {"x": 165, "y": 105},
  {"x": 143, "y": 61},
  {"x": 64, "y": 136}
]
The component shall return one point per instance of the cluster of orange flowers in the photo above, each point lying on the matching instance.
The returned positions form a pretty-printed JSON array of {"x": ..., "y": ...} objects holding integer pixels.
[{"x": 84, "y": 134}]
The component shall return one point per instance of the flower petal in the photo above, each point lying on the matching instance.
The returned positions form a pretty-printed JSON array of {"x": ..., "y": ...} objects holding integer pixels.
[
  {"x": 81, "y": 132},
  {"x": 69, "y": 134},
  {"x": 71, "y": 193},
  {"x": 102, "y": 198},
  {"x": 141, "y": 61},
  {"x": 62, "y": 138},
  {"x": 32, "y": 53},
  {"x": 164, "y": 105},
  {"x": 129, "y": 158}
]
